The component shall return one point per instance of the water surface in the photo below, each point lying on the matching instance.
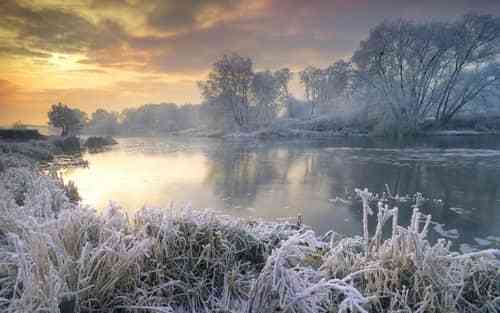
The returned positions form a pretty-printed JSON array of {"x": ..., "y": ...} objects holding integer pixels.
[{"x": 315, "y": 179}]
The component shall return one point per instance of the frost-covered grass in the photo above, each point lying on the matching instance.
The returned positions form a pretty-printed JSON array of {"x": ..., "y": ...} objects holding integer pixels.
[
  {"x": 58, "y": 256},
  {"x": 38, "y": 150},
  {"x": 321, "y": 127}
]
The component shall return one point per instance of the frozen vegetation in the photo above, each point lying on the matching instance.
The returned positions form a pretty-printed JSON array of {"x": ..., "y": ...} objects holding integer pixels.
[
  {"x": 59, "y": 256},
  {"x": 321, "y": 127},
  {"x": 96, "y": 144}
]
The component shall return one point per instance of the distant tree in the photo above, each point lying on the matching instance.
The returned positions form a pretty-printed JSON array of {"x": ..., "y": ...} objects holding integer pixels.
[
  {"x": 266, "y": 91},
  {"x": 325, "y": 87},
  {"x": 297, "y": 108},
  {"x": 187, "y": 116},
  {"x": 310, "y": 78},
  {"x": 228, "y": 85},
  {"x": 159, "y": 118},
  {"x": 211, "y": 115},
  {"x": 104, "y": 122},
  {"x": 417, "y": 70},
  {"x": 19, "y": 125},
  {"x": 283, "y": 76},
  {"x": 337, "y": 82},
  {"x": 146, "y": 119},
  {"x": 71, "y": 121}
]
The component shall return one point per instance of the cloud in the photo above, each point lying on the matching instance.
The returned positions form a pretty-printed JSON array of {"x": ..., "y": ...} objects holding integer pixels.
[
  {"x": 187, "y": 36},
  {"x": 14, "y": 50},
  {"x": 88, "y": 70},
  {"x": 57, "y": 29},
  {"x": 110, "y": 4},
  {"x": 176, "y": 41},
  {"x": 190, "y": 14}
]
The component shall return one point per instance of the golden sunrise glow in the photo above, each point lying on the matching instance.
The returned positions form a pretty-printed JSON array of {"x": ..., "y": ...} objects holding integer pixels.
[{"x": 64, "y": 62}]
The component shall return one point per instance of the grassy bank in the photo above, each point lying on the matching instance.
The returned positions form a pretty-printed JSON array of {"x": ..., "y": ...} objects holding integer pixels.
[
  {"x": 58, "y": 256},
  {"x": 334, "y": 126}
]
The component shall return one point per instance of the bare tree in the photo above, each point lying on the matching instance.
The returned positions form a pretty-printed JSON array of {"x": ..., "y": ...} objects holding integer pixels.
[
  {"x": 283, "y": 77},
  {"x": 475, "y": 71},
  {"x": 415, "y": 71},
  {"x": 265, "y": 93},
  {"x": 337, "y": 82},
  {"x": 325, "y": 87},
  {"x": 310, "y": 78},
  {"x": 270, "y": 93},
  {"x": 229, "y": 85}
]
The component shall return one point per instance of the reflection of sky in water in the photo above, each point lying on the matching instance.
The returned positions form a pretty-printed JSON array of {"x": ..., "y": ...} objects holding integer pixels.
[
  {"x": 137, "y": 179},
  {"x": 283, "y": 180}
]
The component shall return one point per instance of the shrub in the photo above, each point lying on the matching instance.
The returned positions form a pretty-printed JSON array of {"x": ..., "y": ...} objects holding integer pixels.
[
  {"x": 99, "y": 143},
  {"x": 20, "y": 134},
  {"x": 68, "y": 145}
]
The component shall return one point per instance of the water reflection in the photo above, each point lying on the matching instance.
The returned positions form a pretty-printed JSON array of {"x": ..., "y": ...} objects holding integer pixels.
[{"x": 281, "y": 180}]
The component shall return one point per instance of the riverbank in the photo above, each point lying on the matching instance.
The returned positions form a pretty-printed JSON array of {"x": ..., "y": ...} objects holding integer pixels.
[
  {"x": 331, "y": 126},
  {"x": 59, "y": 255},
  {"x": 277, "y": 133},
  {"x": 25, "y": 140}
]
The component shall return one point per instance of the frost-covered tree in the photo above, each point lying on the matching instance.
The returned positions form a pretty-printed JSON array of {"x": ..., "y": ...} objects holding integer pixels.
[
  {"x": 71, "y": 121},
  {"x": 337, "y": 81},
  {"x": 243, "y": 97},
  {"x": 229, "y": 85},
  {"x": 327, "y": 87},
  {"x": 418, "y": 70},
  {"x": 283, "y": 76},
  {"x": 310, "y": 78},
  {"x": 265, "y": 91},
  {"x": 104, "y": 122},
  {"x": 152, "y": 118},
  {"x": 267, "y": 95}
]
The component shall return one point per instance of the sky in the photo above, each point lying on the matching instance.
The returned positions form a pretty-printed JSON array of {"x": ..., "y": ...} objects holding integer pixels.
[{"x": 116, "y": 54}]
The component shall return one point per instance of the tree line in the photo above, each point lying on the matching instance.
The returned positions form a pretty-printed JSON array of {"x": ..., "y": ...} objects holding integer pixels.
[
  {"x": 147, "y": 119},
  {"x": 404, "y": 75}
]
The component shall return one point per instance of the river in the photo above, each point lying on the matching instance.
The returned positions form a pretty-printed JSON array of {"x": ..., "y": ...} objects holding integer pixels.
[{"x": 270, "y": 180}]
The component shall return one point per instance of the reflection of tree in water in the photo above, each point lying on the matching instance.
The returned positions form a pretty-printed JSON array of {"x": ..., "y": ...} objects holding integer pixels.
[
  {"x": 240, "y": 172},
  {"x": 236, "y": 173}
]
